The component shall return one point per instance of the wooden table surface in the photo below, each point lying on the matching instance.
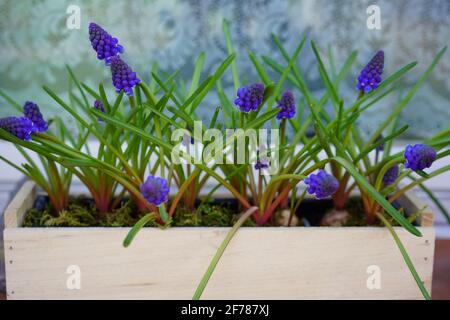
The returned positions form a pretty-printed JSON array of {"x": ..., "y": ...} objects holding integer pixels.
[{"x": 441, "y": 274}]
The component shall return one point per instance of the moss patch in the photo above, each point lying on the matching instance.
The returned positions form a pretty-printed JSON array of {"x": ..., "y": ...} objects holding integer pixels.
[
  {"x": 81, "y": 212},
  {"x": 208, "y": 215}
]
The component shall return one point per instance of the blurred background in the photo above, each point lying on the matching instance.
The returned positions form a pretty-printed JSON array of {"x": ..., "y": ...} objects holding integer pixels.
[{"x": 36, "y": 44}]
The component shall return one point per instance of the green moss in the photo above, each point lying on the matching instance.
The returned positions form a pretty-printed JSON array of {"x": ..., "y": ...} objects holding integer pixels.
[
  {"x": 122, "y": 217},
  {"x": 185, "y": 217},
  {"x": 76, "y": 215},
  {"x": 208, "y": 214},
  {"x": 357, "y": 216},
  {"x": 82, "y": 213}
]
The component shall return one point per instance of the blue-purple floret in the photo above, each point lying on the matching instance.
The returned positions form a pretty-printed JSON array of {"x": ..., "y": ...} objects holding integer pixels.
[
  {"x": 155, "y": 190},
  {"x": 99, "y": 106},
  {"x": 250, "y": 97},
  {"x": 391, "y": 175},
  {"x": 261, "y": 164},
  {"x": 123, "y": 76},
  {"x": 103, "y": 43},
  {"x": 323, "y": 185},
  {"x": 419, "y": 157},
  {"x": 20, "y": 127},
  {"x": 370, "y": 77},
  {"x": 287, "y": 106},
  {"x": 31, "y": 111}
]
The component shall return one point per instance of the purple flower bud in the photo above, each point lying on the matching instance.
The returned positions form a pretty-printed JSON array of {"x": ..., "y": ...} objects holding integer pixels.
[
  {"x": 261, "y": 164},
  {"x": 370, "y": 77},
  {"x": 103, "y": 43},
  {"x": 250, "y": 97},
  {"x": 287, "y": 106},
  {"x": 391, "y": 175},
  {"x": 262, "y": 161},
  {"x": 155, "y": 190},
  {"x": 99, "y": 106},
  {"x": 419, "y": 157},
  {"x": 21, "y": 127},
  {"x": 322, "y": 184},
  {"x": 122, "y": 76},
  {"x": 32, "y": 112}
]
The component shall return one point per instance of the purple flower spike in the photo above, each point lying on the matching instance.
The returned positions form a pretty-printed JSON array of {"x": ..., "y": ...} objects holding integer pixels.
[
  {"x": 31, "y": 111},
  {"x": 122, "y": 76},
  {"x": 370, "y": 77},
  {"x": 419, "y": 157},
  {"x": 250, "y": 97},
  {"x": 103, "y": 43},
  {"x": 322, "y": 184},
  {"x": 21, "y": 127},
  {"x": 391, "y": 175},
  {"x": 287, "y": 106},
  {"x": 155, "y": 190}
]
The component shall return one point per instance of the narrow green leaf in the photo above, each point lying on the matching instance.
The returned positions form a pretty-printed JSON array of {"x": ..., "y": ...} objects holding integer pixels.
[{"x": 137, "y": 227}]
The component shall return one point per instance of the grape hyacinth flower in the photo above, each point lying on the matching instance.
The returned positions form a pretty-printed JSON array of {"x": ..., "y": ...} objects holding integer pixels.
[
  {"x": 31, "y": 111},
  {"x": 370, "y": 77},
  {"x": 155, "y": 190},
  {"x": 287, "y": 106},
  {"x": 419, "y": 157},
  {"x": 103, "y": 43},
  {"x": 21, "y": 127},
  {"x": 391, "y": 175},
  {"x": 122, "y": 76},
  {"x": 250, "y": 97},
  {"x": 322, "y": 184}
]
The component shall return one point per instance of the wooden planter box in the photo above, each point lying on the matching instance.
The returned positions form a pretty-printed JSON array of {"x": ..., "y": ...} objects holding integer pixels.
[{"x": 259, "y": 263}]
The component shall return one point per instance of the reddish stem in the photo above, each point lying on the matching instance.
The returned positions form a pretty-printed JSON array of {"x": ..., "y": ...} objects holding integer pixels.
[{"x": 283, "y": 195}]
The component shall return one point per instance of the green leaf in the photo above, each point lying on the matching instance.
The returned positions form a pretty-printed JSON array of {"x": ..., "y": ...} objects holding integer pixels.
[
  {"x": 433, "y": 198},
  {"x": 364, "y": 184},
  {"x": 137, "y": 227},
  {"x": 197, "y": 72},
  {"x": 212, "y": 266},
  {"x": 259, "y": 68},
  {"x": 231, "y": 51},
  {"x": 406, "y": 257}
]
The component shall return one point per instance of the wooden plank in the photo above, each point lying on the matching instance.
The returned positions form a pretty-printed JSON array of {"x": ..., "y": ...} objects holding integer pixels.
[
  {"x": 20, "y": 204},
  {"x": 412, "y": 204},
  {"x": 260, "y": 263}
]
